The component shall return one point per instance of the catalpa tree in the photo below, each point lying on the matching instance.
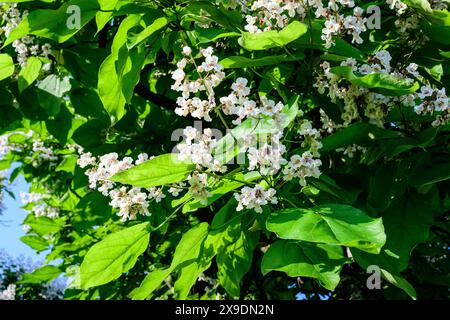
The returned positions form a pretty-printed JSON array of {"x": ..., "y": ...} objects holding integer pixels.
[{"x": 231, "y": 149}]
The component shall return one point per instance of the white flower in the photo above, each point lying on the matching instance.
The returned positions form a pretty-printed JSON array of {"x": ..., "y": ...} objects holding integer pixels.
[
  {"x": 198, "y": 183},
  {"x": 141, "y": 158},
  {"x": 187, "y": 51},
  {"x": 255, "y": 198},
  {"x": 302, "y": 167},
  {"x": 156, "y": 193},
  {"x": 9, "y": 293},
  {"x": 32, "y": 197},
  {"x": 86, "y": 159}
]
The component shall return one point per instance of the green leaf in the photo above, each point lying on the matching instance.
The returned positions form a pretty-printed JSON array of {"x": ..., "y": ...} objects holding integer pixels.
[
  {"x": 120, "y": 72},
  {"x": 301, "y": 259},
  {"x": 234, "y": 261},
  {"x": 219, "y": 190},
  {"x": 201, "y": 10},
  {"x": 115, "y": 254},
  {"x": 53, "y": 24},
  {"x": 271, "y": 39},
  {"x": 201, "y": 36},
  {"x": 103, "y": 17},
  {"x": 42, "y": 275},
  {"x": 35, "y": 242},
  {"x": 43, "y": 225},
  {"x": 186, "y": 253},
  {"x": 89, "y": 135},
  {"x": 244, "y": 62},
  {"x": 30, "y": 73},
  {"x": 55, "y": 85},
  {"x": 68, "y": 164},
  {"x": 6, "y": 66},
  {"x": 360, "y": 133},
  {"x": 330, "y": 224},
  {"x": 385, "y": 83},
  {"x": 388, "y": 272},
  {"x": 88, "y": 104},
  {"x": 158, "y": 24},
  {"x": 407, "y": 222},
  {"x": 429, "y": 174},
  {"x": 162, "y": 170}
]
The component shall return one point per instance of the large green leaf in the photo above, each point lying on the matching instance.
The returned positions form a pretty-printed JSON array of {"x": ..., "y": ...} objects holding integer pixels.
[
  {"x": 429, "y": 174},
  {"x": 244, "y": 62},
  {"x": 35, "y": 242},
  {"x": 55, "y": 85},
  {"x": 407, "y": 222},
  {"x": 41, "y": 275},
  {"x": 115, "y": 254},
  {"x": 388, "y": 272},
  {"x": 235, "y": 261},
  {"x": 186, "y": 253},
  {"x": 385, "y": 83},
  {"x": 301, "y": 259},
  {"x": 120, "y": 71},
  {"x": 107, "y": 9},
  {"x": 53, "y": 24},
  {"x": 43, "y": 225},
  {"x": 6, "y": 66},
  {"x": 30, "y": 73},
  {"x": 353, "y": 134},
  {"x": 272, "y": 38},
  {"x": 137, "y": 39},
  {"x": 330, "y": 224},
  {"x": 162, "y": 170}
]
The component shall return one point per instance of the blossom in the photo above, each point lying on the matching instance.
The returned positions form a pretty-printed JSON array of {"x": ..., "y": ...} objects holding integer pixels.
[
  {"x": 302, "y": 167},
  {"x": 86, "y": 159},
  {"x": 198, "y": 183},
  {"x": 32, "y": 197},
  {"x": 255, "y": 198},
  {"x": 129, "y": 202},
  {"x": 210, "y": 75},
  {"x": 9, "y": 293}
]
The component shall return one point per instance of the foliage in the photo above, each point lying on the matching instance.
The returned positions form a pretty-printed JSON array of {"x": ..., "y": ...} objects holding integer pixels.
[
  {"x": 230, "y": 149},
  {"x": 22, "y": 279}
]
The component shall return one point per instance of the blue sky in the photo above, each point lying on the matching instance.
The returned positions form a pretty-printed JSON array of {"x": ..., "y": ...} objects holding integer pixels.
[{"x": 10, "y": 226}]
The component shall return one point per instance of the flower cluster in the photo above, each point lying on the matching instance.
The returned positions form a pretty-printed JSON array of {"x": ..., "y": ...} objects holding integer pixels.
[
  {"x": 238, "y": 103},
  {"x": 267, "y": 158},
  {"x": 255, "y": 198},
  {"x": 339, "y": 24},
  {"x": 129, "y": 201},
  {"x": 40, "y": 208},
  {"x": 397, "y": 5},
  {"x": 27, "y": 198},
  {"x": 209, "y": 74},
  {"x": 197, "y": 147},
  {"x": 302, "y": 167},
  {"x": 9, "y": 293},
  {"x": 36, "y": 150},
  {"x": 42, "y": 154},
  {"x": 265, "y": 152},
  {"x": 198, "y": 183},
  {"x": 375, "y": 106},
  {"x": 27, "y": 46},
  {"x": 44, "y": 210},
  {"x": 434, "y": 102}
]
